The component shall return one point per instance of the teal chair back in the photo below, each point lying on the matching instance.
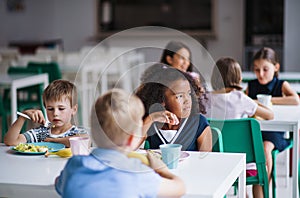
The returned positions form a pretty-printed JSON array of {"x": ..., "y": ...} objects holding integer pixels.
[
  {"x": 3, "y": 115},
  {"x": 31, "y": 96},
  {"x": 33, "y": 93},
  {"x": 23, "y": 70},
  {"x": 244, "y": 136},
  {"x": 52, "y": 69},
  {"x": 217, "y": 140}
]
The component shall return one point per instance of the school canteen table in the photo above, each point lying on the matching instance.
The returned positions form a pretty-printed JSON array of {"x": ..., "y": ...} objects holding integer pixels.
[
  {"x": 17, "y": 81},
  {"x": 205, "y": 174},
  {"x": 211, "y": 174},
  {"x": 287, "y": 118},
  {"x": 292, "y": 77}
]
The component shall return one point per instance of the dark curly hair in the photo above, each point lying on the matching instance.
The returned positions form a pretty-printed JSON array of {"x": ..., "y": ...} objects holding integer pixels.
[{"x": 154, "y": 83}]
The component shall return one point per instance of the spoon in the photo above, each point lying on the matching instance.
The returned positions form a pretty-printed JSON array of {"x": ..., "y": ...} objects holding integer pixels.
[{"x": 47, "y": 123}]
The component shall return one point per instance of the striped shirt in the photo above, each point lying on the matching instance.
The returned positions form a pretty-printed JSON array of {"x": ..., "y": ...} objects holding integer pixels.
[{"x": 39, "y": 134}]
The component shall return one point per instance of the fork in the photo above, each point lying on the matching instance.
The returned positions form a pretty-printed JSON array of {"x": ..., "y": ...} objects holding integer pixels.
[{"x": 47, "y": 123}]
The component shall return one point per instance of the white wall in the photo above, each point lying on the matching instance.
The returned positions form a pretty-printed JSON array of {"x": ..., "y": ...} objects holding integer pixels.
[
  {"x": 291, "y": 35},
  {"x": 230, "y": 30},
  {"x": 73, "y": 21}
]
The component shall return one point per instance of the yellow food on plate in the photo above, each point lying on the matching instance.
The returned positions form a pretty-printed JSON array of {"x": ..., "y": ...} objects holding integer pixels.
[
  {"x": 61, "y": 153},
  {"x": 140, "y": 156},
  {"x": 30, "y": 148}
]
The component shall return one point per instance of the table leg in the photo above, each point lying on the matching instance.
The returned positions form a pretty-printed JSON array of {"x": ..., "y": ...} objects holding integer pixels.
[
  {"x": 295, "y": 162},
  {"x": 242, "y": 181}
]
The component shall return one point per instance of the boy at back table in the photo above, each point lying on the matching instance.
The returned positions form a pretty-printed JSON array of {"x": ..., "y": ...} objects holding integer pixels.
[
  {"x": 60, "y": 101},
  {"x": 117, "y": 129}
]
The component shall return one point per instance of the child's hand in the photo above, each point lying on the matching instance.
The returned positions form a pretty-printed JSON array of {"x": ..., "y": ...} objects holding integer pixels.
[
  {"x": 164, "y": 117},
  {"x": 36, "y": 115},
  {"x": 155, "y": 162}
]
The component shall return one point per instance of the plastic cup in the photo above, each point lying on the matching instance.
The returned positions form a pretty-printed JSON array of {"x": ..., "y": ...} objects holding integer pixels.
[
  {"x": 264, "y": 99},
  {"x": 80, "y": 145},
  {"x": 170, "y": 154}
]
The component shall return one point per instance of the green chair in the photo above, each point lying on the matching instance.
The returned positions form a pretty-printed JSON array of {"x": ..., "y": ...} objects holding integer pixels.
[
  {"x": 244, "y": 136},
  {"x": 52, "y": 69},
  {"x": 146, "y": 145},
  {"x": 273, "y": 173},
  {"x": 217, "y": 140},
  {"x": 30, "y": 96},
  {"x": 3, "y": 115}
]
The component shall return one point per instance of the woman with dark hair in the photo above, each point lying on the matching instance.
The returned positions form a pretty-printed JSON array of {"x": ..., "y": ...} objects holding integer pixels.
[{"x": 178, "y": 55}]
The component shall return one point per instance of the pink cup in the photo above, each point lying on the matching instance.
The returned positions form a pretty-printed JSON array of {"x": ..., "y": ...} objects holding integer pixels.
[{"x": 80, "y": 145}]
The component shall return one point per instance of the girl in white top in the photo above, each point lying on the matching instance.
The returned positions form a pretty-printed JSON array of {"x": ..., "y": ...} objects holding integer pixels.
[{"x": 228, "y": 101}]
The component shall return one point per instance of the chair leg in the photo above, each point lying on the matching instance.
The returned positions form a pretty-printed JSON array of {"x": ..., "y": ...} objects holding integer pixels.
[
  {"x": 273, "y": 173},
  {"x": 266, "y": 190}
]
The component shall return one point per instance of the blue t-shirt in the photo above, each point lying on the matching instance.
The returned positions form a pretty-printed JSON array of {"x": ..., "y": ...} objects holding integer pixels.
[{"x": 107, "y": 173}]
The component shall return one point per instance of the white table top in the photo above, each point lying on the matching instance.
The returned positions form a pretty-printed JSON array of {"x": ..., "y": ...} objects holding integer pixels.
[
  {"x": 205, "y": 174},
  {"x": 28, "y": 169},
  {"x": 210, "y": 174},
  {"x": 287, "y": 118},
  {"x": 28, "y": 175},
  {"x": 283, "y": 114}
]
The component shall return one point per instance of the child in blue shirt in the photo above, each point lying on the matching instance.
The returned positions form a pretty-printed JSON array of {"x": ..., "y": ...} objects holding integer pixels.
[{"x": 117, "y": 129}]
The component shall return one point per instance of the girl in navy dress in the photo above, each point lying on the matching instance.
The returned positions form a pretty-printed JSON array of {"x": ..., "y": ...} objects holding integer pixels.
[{"x": 266, "y": 67}]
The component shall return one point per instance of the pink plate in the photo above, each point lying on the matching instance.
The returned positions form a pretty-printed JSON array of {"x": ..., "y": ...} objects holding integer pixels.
[{"x": 184, "y": 155}]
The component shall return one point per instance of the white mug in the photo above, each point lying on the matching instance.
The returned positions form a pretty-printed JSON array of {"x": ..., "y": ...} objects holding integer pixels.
[{"x": 264, "y": 99}]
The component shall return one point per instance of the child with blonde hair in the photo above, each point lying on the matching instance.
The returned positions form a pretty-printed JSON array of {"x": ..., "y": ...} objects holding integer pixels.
[
  {"x": 117, "y": 130},
  {"x": 60, "y": 101}
]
